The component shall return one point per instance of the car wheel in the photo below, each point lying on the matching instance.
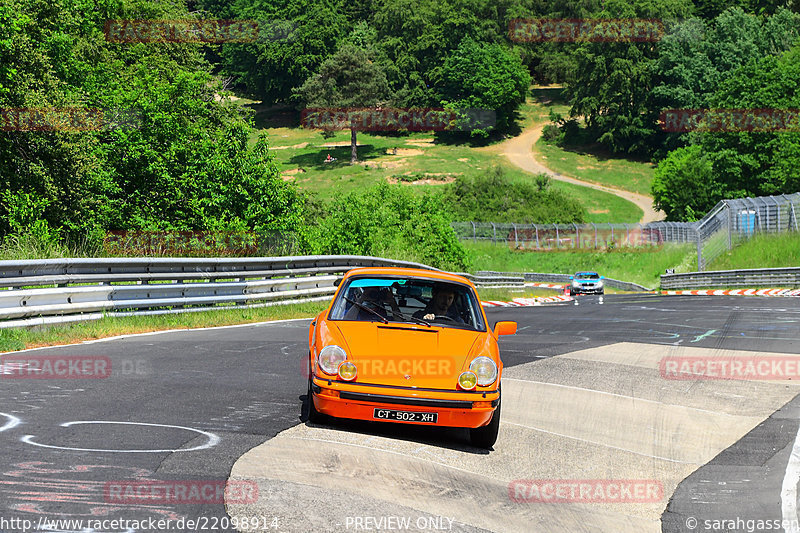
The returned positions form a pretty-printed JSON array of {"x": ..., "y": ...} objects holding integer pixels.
[
  {"x": 486, "y": 436},
  {"x": 312, "y": 415},
  {"x": 602, "y": 292}
]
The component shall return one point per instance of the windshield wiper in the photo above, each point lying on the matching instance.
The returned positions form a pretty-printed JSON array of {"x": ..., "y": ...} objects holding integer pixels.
[
  {"x": 418, "y": 320},
  {"x": 365, "y": 308}
]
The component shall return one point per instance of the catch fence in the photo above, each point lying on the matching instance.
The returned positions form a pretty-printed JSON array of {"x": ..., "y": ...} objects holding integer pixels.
[
  {"x": 559, "y": 236},
  {"x": 726, "y": 225}
]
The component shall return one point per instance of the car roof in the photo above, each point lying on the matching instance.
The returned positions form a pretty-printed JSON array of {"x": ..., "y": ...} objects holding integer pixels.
[{"x": 408, "y": 272}]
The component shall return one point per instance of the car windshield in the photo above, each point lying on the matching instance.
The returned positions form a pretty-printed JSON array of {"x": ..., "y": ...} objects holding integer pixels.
[
  {"x": 587, "y": 275},
  {"x": 415, "y": 301}
]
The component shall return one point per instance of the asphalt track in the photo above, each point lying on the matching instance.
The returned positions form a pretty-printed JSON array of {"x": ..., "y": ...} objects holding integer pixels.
[{"x": 583, "y": 400}]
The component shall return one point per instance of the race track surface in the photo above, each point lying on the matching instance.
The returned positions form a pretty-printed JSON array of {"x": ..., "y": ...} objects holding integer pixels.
[{"x": 584, "y": 398}]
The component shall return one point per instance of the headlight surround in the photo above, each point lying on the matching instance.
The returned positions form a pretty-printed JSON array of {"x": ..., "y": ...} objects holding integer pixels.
[
  {"x": 484, "y": 369},
  {"x": 467, "y": 380},
  {"x": 348, "y": 371},
  {"x": 330, "y": 357}
]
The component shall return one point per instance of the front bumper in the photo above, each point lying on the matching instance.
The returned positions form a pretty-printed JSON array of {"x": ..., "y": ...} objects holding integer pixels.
[
  {"x": 586, "y": 290},
  {"x": 358, "y": 401}
]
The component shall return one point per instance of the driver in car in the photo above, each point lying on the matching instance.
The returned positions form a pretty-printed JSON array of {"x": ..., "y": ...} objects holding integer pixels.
[{"x": 441, "y": 305}]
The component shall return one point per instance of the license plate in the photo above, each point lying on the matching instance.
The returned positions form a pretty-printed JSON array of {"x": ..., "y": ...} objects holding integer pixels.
[{"x": 405, "y": 416}]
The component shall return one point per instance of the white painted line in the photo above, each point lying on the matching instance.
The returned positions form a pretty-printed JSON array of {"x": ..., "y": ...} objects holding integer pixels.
[
  {"x": 620, "y": 396},
  {"x": 789, "y": 488},
  {"x": 603, "y": 444},
  {"x": 213, "y": 439},
  {"x": 13, "y": 422},
  {"x": 130, "y": 335}
]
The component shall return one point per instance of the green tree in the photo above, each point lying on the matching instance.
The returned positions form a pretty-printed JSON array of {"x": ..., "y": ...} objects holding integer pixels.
[
  {"x": 347, "y": 79},
  {"x": 270, "y": 68},
  {"x": 186, "y": 163},
  {"x": 613, "y": 81},
  {"x": 484, "y": 76},
  {"x": 696, "y": 56},
  {"x": 683, "y": 186},
  {"x": 758, "y": 162}
]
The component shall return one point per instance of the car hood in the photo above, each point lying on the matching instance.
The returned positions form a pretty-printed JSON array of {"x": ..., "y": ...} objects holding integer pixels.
[{"x": 409, "y": 355}]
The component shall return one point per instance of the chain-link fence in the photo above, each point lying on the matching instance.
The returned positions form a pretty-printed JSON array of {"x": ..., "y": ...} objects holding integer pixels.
[
  {"x": 730, "y": 222},
  {"x": 559, "y": 236}
]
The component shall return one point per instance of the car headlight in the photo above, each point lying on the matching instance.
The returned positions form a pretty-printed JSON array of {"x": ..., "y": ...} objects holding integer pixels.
[
  {"x": 330, "y": 357},
  {"x": 467, "y": 380},
  {"x": 575, "y": 283},
  {"x": 348, "y": 371},
  {"x": 600, "y": 283},
  {"x": 484, "y": 369}
]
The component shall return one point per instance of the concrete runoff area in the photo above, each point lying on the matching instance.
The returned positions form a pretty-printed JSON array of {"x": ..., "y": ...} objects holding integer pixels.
[{"x": 602, "y": 413}]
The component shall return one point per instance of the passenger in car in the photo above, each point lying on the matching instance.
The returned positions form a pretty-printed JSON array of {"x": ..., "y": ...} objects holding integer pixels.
[{"x": 376, "y": 299}]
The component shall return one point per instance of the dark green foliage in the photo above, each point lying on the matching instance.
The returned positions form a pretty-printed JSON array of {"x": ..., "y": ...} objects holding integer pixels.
[
  {"x": 270, "y": 69},
  {"x": 185, "y": 165},
  {"x": 484, "y": 76},
  {"x": 346, "y": 80},
  {"x": 683, "y": 185},
  {"x": 390, "y": 221},
  {"x": 734, "y": 164},
  {"x": 494, "y": 198}
]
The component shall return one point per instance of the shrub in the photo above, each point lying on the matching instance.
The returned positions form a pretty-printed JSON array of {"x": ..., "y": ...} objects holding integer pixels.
[
  {"x": 494, "y": 198},
  {"x": 389, "y": 221}
]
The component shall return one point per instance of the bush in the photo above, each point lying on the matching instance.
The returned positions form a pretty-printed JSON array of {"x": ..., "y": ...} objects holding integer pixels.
[
  {"x": 494, "y": 198},
  {"x": 389, "y": 221}
]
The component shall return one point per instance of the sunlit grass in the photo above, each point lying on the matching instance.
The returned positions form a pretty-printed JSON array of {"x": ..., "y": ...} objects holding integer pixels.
[
  {"x": 21, "y": 338},
  {"x": 643, "y": 266}
]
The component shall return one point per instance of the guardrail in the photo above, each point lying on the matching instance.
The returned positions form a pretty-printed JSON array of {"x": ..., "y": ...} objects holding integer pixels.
[
  {"x": 756, "y": 278},
  {"x": 564, "y": 278},
  {"x": 67, "y": 290}
]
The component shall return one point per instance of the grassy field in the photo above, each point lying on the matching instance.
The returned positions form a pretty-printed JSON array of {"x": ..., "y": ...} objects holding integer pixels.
[
  {"x": 21, "y": 338},
  {"x": 761, "y": 251},
  {"x": 643, "y": 267},
  {"x": 418, "y": 160},
  {"x": 591, "y": 164},
  {"x": 588, "y": 162}
]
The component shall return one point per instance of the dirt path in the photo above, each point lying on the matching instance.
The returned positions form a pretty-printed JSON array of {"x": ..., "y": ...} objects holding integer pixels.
[{"x": 519, "y": 150}]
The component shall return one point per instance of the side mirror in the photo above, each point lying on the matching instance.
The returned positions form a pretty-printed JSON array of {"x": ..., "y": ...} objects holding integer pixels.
[
  {"x": 505, "y": 328},
  {"x": 337, "y": 282},
  {"x": 602, "y": 277},
  {"x": 572, "y": 277}
]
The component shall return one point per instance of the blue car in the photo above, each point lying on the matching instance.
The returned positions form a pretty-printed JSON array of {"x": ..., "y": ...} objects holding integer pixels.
[{"x": 586, "y": 283}]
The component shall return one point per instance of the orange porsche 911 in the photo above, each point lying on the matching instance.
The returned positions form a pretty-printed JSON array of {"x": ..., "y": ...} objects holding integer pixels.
[{"x": 407, "y": 346}]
